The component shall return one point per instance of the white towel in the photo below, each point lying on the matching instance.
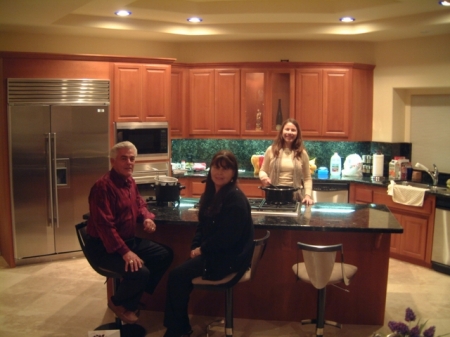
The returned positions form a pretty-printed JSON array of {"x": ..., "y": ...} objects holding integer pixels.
[{"x": 406, "y": 195}]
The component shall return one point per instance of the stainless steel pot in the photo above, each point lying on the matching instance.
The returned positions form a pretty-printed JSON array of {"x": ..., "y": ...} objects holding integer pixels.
[{"x": 279, "y": 194}]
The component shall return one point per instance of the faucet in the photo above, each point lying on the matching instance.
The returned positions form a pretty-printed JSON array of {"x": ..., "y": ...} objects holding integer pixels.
[{"x": 434, "y": 175}]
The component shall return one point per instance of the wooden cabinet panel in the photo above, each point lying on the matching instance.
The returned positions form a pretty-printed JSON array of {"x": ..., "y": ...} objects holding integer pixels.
[
  {"x": 141, "y": 92},
  {"x": 197, "y": 187},
  {"x": 250, "y": 188},
  {"x": 414, "y": 236},
  {"x": 227, "y": 101},
  {"x": 155, "y": 92},
  {"x": 178, "y": 102},
  {"x": 309, "y": 101},
  {"x": 127, "y": 92},
  {"x": 201, "y": 112},
  {"x": 336, "y": 102}
]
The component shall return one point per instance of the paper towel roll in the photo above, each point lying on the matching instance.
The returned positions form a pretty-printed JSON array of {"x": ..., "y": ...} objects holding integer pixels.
[{"x": 377, "y": 165}]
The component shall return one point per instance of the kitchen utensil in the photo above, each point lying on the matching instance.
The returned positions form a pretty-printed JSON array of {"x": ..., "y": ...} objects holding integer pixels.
[
  {"x": 164, "y": 180},
  {"x": 168, "y": 193},
  {"x": 279, "y": 194}
]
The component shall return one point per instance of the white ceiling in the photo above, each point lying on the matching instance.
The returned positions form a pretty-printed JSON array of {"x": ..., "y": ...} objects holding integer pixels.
[{"x": 229, "y": 20}]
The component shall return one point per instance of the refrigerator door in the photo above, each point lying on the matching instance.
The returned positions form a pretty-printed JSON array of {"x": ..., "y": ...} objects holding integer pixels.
[
  {"x": 30, "y": 179},
  {"x": 82, "y": 146}
]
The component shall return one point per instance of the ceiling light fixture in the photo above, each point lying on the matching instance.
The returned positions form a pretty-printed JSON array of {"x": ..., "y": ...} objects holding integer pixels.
[
  {"x": 195, "y": 19},
  {"x": 123, "y": 12},
  {"x": 347, "y": 19},
  {"x": 444, "y": 3}
]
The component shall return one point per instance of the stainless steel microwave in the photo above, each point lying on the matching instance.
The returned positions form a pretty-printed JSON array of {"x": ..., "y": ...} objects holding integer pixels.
[{"x": 150, "y": 138}]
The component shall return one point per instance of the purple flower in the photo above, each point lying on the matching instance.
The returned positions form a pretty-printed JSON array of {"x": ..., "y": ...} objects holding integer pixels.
[
  {"x": 415, "y": 332},
  {"x": 398, "y": 327},
  {"x": 410, "y": 316},
  {"x": 429, "y": 332}
]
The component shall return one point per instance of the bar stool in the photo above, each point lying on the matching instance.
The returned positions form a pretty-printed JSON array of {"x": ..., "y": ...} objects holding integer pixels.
[
  {"x": 321, "y": 269},
  {"x": 126, "y": 330},
  {"x": 228, "y": 282}
]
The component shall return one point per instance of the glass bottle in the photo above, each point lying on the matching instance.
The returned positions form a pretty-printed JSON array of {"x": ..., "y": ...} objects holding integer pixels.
[{"x": 279, "y": 119}]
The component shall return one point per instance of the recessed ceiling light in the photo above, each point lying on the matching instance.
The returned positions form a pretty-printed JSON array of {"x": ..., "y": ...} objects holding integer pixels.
[
  {"x": 347, "y": 19},
  {"x": 123, "y": 12},
  {"x": 444, "y": 3},
  {"x": 195, "y": 19}
]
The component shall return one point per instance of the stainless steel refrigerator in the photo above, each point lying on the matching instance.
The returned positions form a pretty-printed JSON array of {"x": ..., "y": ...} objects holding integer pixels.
[{"x": 57, "y": 152}]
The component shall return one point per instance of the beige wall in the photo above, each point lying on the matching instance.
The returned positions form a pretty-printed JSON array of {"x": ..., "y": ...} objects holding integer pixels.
[{"x": 402, "y": 67}]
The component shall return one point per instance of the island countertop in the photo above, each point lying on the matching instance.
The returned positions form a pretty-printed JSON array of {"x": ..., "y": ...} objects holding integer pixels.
[{"x": 327, "y": 217}]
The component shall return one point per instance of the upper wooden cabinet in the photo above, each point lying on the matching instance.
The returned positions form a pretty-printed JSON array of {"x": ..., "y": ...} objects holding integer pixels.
[
  {"x": 214, "y": 102},
  {"x": 264, "y": 92},
  {"x": 178, "y": 98},
  {"x": 141, "y": 92},
  {"x": 334, "y": 103}
]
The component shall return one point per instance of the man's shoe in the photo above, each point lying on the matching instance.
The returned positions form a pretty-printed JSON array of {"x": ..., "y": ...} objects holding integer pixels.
[{"x": 125, "y": 315}]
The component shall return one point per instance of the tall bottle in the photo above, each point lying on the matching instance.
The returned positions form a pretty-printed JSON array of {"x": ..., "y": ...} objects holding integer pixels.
[
  {"x": 279, "y": 119},
  {"x": 335, "y": 165}
]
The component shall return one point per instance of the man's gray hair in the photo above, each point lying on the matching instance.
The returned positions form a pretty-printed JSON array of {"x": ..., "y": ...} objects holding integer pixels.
[{"x": 122, "y": 145}]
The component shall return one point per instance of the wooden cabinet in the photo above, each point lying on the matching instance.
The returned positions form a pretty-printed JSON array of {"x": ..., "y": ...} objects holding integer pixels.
[
  {"x": 415, "y": 243},
  {"x": 262, "y": 91},
  {"x": 178, "y": 99},
  {"x": 214, "y": 102},
  {"x": 334, "y": 103},
  {"x": 141, "y": 92},
  {"x": 250, "y": 188},
  {"x": 195, "y": 187}
]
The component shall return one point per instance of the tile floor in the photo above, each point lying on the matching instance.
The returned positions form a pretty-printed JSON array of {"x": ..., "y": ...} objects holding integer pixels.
[{"x": 67, "y": 298}]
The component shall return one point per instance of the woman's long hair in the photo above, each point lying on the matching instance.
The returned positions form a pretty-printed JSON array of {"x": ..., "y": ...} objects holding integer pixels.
[
  {"x": 297, "y": 144},
  {"x": 210, "y": 201}
]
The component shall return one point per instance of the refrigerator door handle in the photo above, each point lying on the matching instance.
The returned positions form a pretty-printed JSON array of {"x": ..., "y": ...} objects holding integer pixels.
[
  {"x": 54, "y": 182},
  {"x": 50, "y": 174}
]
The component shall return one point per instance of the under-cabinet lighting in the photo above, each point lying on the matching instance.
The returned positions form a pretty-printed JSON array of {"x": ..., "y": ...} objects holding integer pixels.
[
  {"x": 332, "y": 210},
  {"x": 444, "y": 3}
]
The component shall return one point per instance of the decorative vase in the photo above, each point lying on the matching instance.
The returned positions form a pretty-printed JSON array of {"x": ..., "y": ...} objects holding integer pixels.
[
  {"x": 258, "y": 120},
  {"x": 279, "y": 119}
]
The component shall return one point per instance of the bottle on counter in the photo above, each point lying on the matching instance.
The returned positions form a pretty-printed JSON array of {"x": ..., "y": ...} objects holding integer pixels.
[
  {"x": 335, "y": 165},
  {"x": 183, "y": 164}
]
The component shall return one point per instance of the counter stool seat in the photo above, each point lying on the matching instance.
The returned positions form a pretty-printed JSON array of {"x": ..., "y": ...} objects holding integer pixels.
[{"x": 321, "y": 269}]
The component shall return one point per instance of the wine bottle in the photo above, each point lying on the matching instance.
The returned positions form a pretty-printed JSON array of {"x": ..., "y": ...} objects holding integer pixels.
[{"x": 279, "y": 120}]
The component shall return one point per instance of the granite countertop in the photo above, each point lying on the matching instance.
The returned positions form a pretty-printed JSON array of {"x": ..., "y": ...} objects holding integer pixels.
[
  {"x": 361, "y": 180},
  {"x": 326, "y": 217}
]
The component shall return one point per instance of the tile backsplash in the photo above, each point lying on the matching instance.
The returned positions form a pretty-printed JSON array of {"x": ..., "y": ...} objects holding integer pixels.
[{"x": 202, "y": 150}]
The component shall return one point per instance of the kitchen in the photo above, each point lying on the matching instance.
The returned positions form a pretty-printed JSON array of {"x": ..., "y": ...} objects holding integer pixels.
[{"x": 425, "y": 56}]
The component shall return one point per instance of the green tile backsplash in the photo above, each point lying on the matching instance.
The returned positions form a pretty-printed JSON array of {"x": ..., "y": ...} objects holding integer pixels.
[{"x": 202, "y": 150}]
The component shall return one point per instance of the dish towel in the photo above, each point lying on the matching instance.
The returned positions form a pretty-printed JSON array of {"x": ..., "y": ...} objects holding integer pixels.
[{"x": 406, "y": 195}]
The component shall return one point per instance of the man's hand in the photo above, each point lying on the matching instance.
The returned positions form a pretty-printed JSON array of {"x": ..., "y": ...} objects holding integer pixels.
[
  {"x": 196, "y": 252},
  {"x": 149, "y": 226},
  {"x": 132, "y": 261}
]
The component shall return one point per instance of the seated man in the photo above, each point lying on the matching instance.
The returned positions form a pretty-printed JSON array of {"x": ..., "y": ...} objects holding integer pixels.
[{"x": 115, "y": 208}]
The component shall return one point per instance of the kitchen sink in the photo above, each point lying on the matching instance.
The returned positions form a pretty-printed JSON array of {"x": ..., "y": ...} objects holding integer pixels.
[{"x": 432, "y": 189}]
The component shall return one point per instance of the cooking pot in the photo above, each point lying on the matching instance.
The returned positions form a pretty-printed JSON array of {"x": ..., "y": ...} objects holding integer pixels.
[
  {"x": 279, "y": 194},
  {"x": 168, "y": 193}
]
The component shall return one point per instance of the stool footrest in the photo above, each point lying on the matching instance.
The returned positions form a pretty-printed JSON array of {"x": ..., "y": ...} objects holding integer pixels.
[{"x": 314, "y": 321}]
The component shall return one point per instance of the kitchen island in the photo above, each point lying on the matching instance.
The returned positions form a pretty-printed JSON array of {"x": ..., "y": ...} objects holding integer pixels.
[{"x": 275, "y": 293}]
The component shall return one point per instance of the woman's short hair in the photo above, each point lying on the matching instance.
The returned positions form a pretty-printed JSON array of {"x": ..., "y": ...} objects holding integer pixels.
[{"x": 122, "y": 145}]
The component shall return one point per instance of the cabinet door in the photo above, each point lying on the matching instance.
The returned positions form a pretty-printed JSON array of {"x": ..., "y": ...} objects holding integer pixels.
[
  {"x": 155, "y": 93},
  {"x": 250, "y": 188},
  {"x": 127, "y": 93},
  {"x": 253, "y": 102},
  {"x": 413, "y": 241},
  {"x": 178, "y": 102},
  {"x": 201, "y": 112},
  {"x": 336, "y": 102},
  {"x": 227, "y": 101},
  {"x": 309, "y": 101},
  {"x": 281, "y": 95}
]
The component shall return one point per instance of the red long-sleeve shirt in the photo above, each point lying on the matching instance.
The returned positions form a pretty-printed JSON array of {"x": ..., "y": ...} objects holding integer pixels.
[{"x": 115, "y": 207}]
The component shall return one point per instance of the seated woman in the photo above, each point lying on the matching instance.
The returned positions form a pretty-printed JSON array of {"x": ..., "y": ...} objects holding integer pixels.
[{"x": 223, "y": 239}]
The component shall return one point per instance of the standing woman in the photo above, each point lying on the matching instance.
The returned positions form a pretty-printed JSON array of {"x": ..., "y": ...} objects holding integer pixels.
[
  {"x": 222, "y": 242},
  {"x": 286, "y": 162}
]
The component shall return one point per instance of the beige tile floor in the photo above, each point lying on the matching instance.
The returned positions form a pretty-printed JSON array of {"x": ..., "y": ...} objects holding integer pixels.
[{"x": 67, "y": 298}]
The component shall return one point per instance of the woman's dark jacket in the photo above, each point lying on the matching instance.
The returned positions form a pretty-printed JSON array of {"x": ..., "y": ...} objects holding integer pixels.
[{"x": 226, "y": 238}]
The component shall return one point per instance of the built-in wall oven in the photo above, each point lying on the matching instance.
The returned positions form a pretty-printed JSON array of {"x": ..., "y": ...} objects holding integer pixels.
[{"x": 326, "y": 191}]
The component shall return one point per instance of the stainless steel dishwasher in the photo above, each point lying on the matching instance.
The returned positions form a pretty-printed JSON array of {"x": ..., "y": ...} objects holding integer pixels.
[
  {"x": 324, "y": 191},
  {"x": 440, "y": 257}
]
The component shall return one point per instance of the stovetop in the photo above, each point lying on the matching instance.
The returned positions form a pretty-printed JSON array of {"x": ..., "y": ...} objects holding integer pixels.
[{"x": 261, "y": 207}]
